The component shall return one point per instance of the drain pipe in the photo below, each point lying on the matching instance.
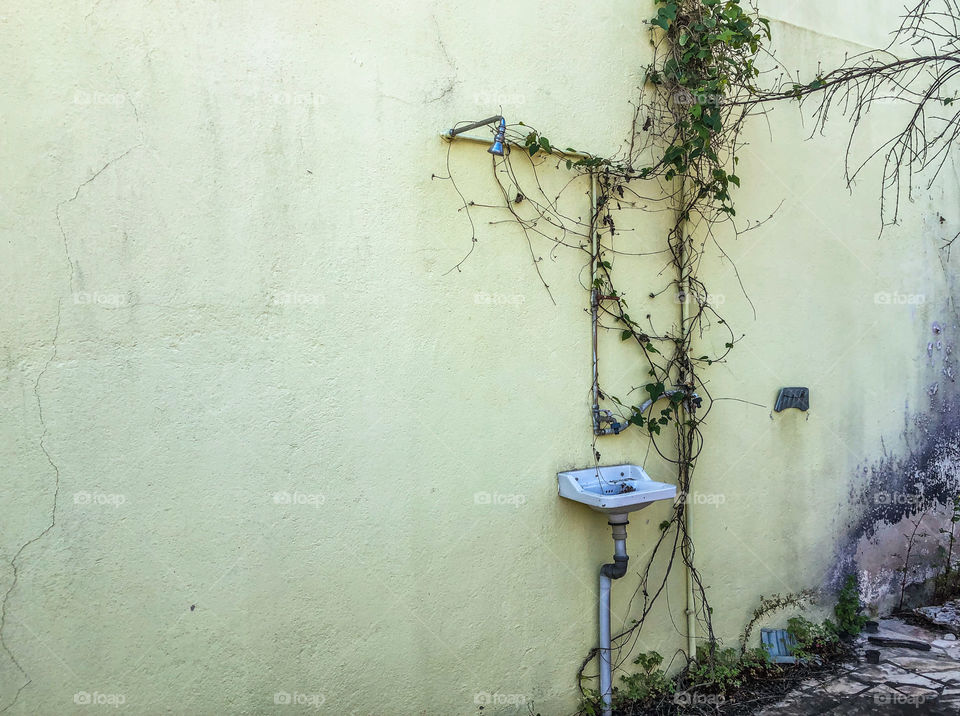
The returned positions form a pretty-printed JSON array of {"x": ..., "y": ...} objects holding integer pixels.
[{"x": 609, "y": 572}]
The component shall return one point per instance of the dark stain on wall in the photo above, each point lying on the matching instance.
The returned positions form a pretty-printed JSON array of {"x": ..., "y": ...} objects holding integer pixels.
[{"x": 896, "y": 488}]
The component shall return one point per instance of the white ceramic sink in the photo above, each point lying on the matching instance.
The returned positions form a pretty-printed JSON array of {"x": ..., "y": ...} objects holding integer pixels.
[{"x": 613, "y": 489}]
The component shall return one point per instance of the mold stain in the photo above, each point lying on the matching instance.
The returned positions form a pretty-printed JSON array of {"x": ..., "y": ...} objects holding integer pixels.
[{"x": 911, "y": 493}]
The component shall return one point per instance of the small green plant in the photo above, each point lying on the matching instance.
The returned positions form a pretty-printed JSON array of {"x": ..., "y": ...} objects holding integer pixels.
[
  {"x": 769, "y": 605},
  {"x": 849, "y": 620},
  {"x": 715, "y": 671},
  {"x": 590, "y": 703},
  {"x": 727, "y": 669},
  {"x": 946, "y": 585},
  {"x": 954, "y": 519},
  {"x": 905, "y": 569},
  {"x": 813, "y": 640},
  {"x": 648, "y": 685}
]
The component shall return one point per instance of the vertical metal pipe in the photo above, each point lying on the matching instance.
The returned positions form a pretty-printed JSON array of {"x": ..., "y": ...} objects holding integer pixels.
[
  {"x": 606, "y": 690},
  {"x": 608, "y": 573},
  {"x": 691, "y": 610},
  {"x": 687, "y": 520},
  {"x": 620, "y": 547},
  {"x": 594, "y": 298}
]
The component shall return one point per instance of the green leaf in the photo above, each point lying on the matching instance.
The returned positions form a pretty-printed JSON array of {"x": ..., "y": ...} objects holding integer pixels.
[
  {"x": 766, "y": 26},
  {"x": 665, "y": 16},
  {"x": 655, "y": 390},
  {"x": 626, "y": 335}
]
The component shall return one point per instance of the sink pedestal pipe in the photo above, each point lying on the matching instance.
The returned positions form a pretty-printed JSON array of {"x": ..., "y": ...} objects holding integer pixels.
[{"x": 609, "y": 572}]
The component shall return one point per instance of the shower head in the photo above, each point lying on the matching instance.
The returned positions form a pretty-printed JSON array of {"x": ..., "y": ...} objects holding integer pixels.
[{"x": 497, "y": 147}]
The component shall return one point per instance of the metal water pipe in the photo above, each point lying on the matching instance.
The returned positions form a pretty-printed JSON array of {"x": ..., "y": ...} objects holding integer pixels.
[{"x": 608, "y": 572}]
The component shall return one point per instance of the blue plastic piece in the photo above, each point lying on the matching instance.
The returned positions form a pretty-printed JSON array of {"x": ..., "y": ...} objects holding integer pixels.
[{"x": 779, "y": 644}]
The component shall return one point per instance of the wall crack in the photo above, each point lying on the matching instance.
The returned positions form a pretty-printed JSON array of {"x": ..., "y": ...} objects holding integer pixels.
[
  {"x": 53, "y": 514},
  {"x": 44, "y": 431},
  {"x": 63, "y": 234}
]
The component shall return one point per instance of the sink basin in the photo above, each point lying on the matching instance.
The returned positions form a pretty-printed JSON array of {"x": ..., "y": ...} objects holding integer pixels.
[{"x": 613, "y": 489}]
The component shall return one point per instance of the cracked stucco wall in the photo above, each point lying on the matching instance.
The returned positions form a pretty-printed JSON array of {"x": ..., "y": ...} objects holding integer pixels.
[{"x": 259, "y": 442}]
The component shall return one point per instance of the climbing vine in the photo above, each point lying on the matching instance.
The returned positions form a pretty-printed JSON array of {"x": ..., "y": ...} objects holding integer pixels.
[
  {"x": 680, "y": 156},
  {"x": 704, "y": 55}
]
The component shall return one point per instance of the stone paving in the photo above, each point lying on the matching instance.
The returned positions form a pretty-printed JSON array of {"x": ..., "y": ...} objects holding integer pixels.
[{"x": 906, "y": 681}]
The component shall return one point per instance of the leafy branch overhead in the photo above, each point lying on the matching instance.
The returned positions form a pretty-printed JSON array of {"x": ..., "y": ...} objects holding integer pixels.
[{"x": 917, "y": 72}]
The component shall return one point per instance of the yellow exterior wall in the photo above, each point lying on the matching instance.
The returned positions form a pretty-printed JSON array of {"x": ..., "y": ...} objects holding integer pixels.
[{"x": 228, "y": 284}]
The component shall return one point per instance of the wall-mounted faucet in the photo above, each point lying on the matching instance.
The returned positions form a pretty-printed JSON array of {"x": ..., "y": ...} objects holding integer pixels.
[{"x": 602, "y": 417}]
